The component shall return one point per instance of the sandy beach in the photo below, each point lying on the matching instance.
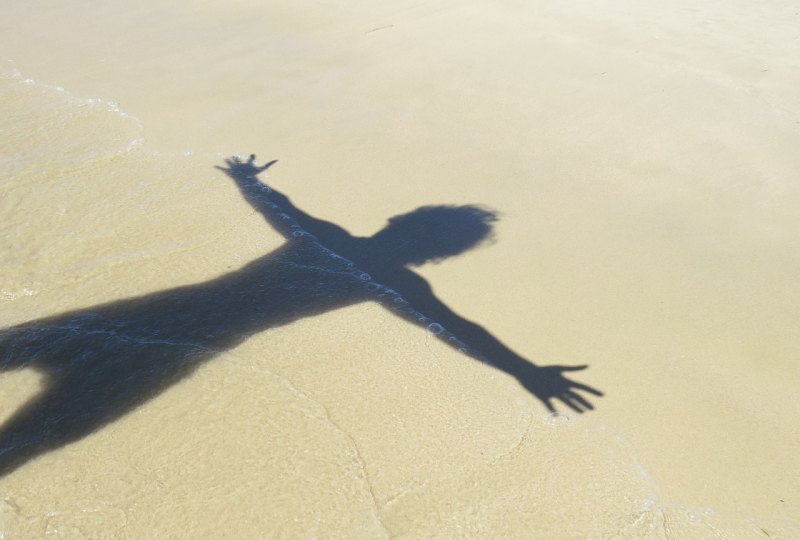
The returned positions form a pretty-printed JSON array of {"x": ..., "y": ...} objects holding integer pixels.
[{"x": 176, "y": 362}]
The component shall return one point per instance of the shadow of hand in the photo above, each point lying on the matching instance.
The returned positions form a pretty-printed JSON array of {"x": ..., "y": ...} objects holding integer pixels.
[
  {"x": 244, "y": 169},
  {"x": 548, "y": 383}
]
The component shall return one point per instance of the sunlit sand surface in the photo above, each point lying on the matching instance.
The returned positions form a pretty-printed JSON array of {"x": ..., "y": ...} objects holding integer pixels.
[{"x": 642, "y": 162}]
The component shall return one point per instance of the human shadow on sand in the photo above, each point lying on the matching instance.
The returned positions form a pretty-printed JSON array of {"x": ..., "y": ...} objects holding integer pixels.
[{"x": 102, "y": 362}]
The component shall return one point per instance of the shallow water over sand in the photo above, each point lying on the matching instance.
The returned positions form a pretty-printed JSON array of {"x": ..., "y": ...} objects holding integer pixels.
[{"x": 643, "y": 164}]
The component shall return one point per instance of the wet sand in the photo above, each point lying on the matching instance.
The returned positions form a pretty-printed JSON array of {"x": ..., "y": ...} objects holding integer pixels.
[{"x": 642, "y": 161}]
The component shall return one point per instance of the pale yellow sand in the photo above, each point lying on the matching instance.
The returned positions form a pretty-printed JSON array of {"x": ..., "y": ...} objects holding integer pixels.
[{"x": 644, "y": 160}]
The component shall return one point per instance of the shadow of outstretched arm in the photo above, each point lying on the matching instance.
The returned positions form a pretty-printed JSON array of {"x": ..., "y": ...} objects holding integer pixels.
[
  {"x": 277, "y": 208},
  {"x": 547, "y": 383}
]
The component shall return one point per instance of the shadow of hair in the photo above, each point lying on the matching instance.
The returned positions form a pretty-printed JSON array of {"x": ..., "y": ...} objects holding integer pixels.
[{"x": 431, "y": 234}]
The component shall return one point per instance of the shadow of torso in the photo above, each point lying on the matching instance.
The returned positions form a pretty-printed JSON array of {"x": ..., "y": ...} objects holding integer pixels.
[{"x": 99, "y": 363}]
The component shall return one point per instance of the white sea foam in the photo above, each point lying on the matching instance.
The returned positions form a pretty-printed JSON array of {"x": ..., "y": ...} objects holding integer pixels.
[{"x": 46, "y": 123}]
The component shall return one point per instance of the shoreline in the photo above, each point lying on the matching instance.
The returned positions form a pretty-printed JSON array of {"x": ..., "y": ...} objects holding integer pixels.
[{"x": 644, "y": 230}]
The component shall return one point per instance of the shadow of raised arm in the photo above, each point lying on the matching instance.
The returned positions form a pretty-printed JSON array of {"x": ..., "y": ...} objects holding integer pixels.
[
  {"x": 547, "y": 383},
  {"x": 277, "y": 208}
]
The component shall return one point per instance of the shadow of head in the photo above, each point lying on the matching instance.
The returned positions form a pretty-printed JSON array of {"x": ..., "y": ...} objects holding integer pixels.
[{"x": 433, "y": 233}]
